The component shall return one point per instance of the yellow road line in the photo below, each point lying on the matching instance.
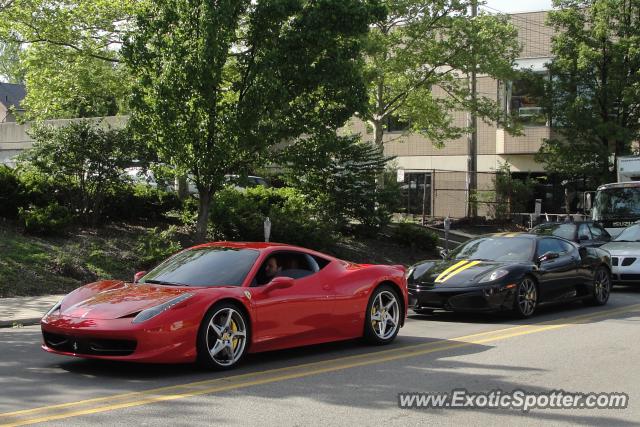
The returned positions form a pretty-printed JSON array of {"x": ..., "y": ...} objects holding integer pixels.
[{"x": 299, "y": 371}]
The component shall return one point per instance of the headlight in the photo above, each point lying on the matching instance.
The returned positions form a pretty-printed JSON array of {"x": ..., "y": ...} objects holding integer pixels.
[
  {"x": 495, "y": 275},
  {"x": 56, "y": 307},
  {"x": 149, "y": 313}
]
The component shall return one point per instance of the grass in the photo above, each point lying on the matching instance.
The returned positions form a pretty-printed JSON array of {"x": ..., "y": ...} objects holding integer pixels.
[
  {"x": 32, "y": 266},
  {"x": 37, "y": 266}
]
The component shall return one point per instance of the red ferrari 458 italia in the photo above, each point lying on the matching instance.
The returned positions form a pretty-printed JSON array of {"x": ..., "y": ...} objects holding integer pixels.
[{"x": 216, "y": 302}]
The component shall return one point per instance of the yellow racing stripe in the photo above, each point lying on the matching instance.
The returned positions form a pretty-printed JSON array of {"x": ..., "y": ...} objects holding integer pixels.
[
  {"x": 450, "y": 269},
  {"x": 453, "y": 273}
]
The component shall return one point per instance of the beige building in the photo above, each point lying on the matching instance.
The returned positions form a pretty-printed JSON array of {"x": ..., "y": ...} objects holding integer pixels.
[{"x": 445, "y": 169}]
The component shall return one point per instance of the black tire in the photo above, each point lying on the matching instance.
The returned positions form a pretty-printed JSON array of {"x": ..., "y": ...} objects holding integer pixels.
[
  {"x": 423, "y": 311},
  {"x": 232, "y": 346},
  {"x": 601, "y": 287},
  {"x": 375, "y": 331},
  {"x": 525, "y": 300}
]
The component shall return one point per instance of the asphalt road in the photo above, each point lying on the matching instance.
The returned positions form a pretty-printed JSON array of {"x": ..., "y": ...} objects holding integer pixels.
[{"x": 570, "y": 347}]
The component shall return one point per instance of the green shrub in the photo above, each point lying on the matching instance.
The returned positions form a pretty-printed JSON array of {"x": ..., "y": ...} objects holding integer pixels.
[
  {"x": 51, "y": 219},
  {"x": 240, "y": 215},
  {"x": 413, "y": 235},
  {"x": 138, "y": 202},
  {"x": 9, "y": 192},
  {"x": 155, "y": 245}
]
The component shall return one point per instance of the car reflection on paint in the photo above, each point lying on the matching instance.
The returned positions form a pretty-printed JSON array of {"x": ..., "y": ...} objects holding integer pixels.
[{"x": 510, "y": 271}]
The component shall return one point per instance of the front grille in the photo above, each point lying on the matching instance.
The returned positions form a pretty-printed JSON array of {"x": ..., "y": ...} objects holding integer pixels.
[
  {"x": 89, "y": 346},
  {"x": 614, "y": 261},
  {"x": 628, "y": 261}
]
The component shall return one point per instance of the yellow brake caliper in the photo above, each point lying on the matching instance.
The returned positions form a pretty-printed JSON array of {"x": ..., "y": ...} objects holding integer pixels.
[
  {"x": 373, "y": 313},
  {"x": 234, "y": 328}
]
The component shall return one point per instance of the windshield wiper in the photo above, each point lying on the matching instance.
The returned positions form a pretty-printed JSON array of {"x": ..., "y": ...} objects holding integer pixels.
[{"x": 162, "y": 282}]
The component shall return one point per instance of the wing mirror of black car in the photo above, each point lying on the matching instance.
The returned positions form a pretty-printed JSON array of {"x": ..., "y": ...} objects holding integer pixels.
[
  {"x": 139, "y": 275},
  {"x": 548, "y": 256},
  {"x": 444, "y": 253},
  {"x": 281, "y": 282}
]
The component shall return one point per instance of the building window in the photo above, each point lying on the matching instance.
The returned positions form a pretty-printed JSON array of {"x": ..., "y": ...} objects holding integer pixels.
[
  {"x": 397, "y": 124},
  {"x": 523, "y": 100}
]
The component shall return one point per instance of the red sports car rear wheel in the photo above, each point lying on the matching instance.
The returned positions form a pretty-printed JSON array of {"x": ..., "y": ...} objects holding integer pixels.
[{"x": 382, "y": 319}]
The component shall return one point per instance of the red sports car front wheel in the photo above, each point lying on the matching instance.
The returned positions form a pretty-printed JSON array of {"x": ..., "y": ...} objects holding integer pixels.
[
  {"x": 382, "y": 319},
  {"x": 223, "y": 337}
]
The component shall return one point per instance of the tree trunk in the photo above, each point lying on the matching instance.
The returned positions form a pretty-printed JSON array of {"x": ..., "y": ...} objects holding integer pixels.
[
  {"x": 378, "y": 133},
  {"x": 203, "y": 214}
]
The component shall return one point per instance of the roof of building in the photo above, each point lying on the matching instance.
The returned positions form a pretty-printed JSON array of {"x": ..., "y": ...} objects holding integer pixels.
[{"x": 11, "y": 95}]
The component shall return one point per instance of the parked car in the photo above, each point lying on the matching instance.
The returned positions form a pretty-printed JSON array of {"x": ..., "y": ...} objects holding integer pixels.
[
  {"x": 625, "y": 255},
  {"x": 510, "y": 271},
  {"x": 216, "y": 302},
  {"x": 585, "y": 233}
]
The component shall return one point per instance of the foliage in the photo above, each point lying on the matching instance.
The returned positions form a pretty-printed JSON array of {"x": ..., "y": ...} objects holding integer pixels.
[
  {"x": 138, "y": 202},
  {"x": 413, "y": 235},
  {"x": 11, "y": 69},
  {"x": 511, "y": 195},
  {"x": 594, "y": 95},
  {"x": 84, "y": 156},
  {"x": 240, "y": 215},
  {"x": 218, "y": 83},
  {"x": 51, "y": 219},
  {"x": 70, "y": 54},
  {"x": 415, "y": 55},
  {"x": 340, "y": 173},
  {"x": 156, "y": 245},
  {"x": 9, "y": 192},
  {"x": 62, "y": 83}
]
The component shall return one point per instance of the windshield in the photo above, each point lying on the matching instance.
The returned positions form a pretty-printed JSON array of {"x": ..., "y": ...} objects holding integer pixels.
[
  {"x": 566, "y": 231},
  {"x": 629, "y": 234},
  {"x": 496, "y": 249},
  {"x": 618, "y": 202},
  {"x": 211, "y": 266}
]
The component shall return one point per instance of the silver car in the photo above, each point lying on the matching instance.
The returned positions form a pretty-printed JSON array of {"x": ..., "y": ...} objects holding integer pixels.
[{"x": 625, "y": 255}]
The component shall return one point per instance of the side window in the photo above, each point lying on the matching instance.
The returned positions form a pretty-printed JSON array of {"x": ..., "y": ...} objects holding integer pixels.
[
  {"x": 599, "y": 233},
  {"x": 566, "y": 231},
  {"x": 322, "y": 263},
  {"x": 583, "y": 230},
  {"x": 551, "y": 245}
]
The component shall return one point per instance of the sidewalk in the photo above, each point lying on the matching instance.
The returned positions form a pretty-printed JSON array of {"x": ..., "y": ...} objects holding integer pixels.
[{"x": 25, "y": 310}]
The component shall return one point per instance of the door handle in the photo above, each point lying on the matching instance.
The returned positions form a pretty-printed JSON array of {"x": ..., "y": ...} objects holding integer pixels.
[{"x": 326, "y": 287}]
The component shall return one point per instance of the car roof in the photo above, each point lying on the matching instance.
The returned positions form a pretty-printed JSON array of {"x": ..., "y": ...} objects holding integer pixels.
[{"x": 259, "y": 246}]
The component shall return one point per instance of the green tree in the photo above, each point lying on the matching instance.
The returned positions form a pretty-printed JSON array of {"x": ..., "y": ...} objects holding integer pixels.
[
  {"x": 340, "y": 172},
  {"x": 218, "y": 83},
  {"x": 593, "y": 96},
  {"x": 418, "y": 58},
  {"x": 11, "y": 70},
  {"x": 85, "y": 156},
  {"x": 70, "y": 61}
]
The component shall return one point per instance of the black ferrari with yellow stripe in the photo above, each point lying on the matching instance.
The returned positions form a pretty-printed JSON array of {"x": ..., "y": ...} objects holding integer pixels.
[{"x": 510, "y": 271}]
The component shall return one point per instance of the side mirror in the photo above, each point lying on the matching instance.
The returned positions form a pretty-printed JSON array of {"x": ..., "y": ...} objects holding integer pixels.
[
  {"x": 548, "y": 256},
  {"x": 584, "y": 237},
  {"x": 139, "y": 275},
  {"x": 281, "y": 282},
  {"x": 444, "y": 253}
]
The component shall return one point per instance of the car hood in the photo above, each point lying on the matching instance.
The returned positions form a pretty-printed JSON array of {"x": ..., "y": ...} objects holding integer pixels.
[
  {"x": 458, "y": 273},
  {"x": 622, "y": 248},
  {"x": 113, "y": 300}
]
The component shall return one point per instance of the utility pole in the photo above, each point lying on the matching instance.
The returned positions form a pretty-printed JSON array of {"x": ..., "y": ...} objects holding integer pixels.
[{"x": 472, "y": 163}]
